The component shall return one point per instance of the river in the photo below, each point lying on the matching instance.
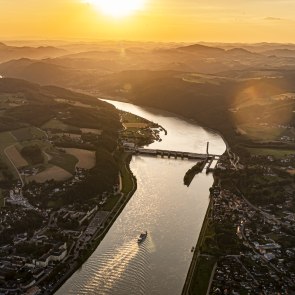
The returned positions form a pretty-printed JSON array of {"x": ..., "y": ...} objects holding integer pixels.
[{"x": 171, "y": 213}]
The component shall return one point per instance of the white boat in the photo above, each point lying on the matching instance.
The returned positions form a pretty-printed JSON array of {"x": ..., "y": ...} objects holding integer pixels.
[{"x": 142, "y": 237}]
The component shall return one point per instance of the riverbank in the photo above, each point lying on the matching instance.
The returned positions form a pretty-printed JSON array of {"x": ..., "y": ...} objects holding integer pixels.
[
  {"x": 199, "y": 273},
  {"x": 129, "y": 186}
]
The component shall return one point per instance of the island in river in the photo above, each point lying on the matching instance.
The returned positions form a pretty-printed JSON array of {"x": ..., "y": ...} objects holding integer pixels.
[{"x": 192, "y": 172}]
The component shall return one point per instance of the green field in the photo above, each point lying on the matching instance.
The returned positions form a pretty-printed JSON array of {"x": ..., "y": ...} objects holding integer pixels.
[
  {"x": 45, "y": 146},
  {"x": 202, "y": 276},
  {"x": 131, "y": 118},
  {"x": 6, "y": 140},
  {"x": 277, "y": 153},
  {"x": 127, "y": 181},
  {"x": 111, "y": 203},
  {"x": 59, "y": 125},
  {"x": 65, "y": 161},
  {"x": 262, "y": 133},
  {"x": 38, "y": 133},
  {"x": 1, "y": 199},
  {"x": 22, "y": 134},
  {"x": 25, "y": 136},
  {"x": 28, "y": 133}
]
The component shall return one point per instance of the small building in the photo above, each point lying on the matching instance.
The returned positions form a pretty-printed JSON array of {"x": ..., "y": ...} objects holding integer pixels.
[
  {"x": 129, "y": 145},
  {"x": 269, "y": 256}
]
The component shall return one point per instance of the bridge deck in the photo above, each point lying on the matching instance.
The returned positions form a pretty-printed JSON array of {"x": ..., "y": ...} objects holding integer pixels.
[{"x": 169, "y": 153}]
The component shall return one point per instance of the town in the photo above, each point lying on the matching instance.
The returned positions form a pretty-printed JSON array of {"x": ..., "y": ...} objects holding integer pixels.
[{"x": 247, "y": 246}]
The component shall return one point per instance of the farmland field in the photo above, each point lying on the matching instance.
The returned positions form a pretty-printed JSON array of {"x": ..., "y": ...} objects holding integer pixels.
[
  {"x": 69, "y": 135},
  {"x": 1, "y": 199},
  {"x": 93, "y": 131},
  {"x": 63, "y": 160},
  {"x": 53, "y": 172},
  {"x": 277, "y": 153},
  {"x": 16, "y": 157},
  {"x": 135, "y": 125},
  {"x": 263, "y": 133},
  {"x": 28, "y": 133},
  {"x": 86, "y": 158},
  {"x": 59, "y": 125},
  {"x": 44, "y": 145},
  {"x": 6, "y": 139},
  {"x": 75, "y": 103}
]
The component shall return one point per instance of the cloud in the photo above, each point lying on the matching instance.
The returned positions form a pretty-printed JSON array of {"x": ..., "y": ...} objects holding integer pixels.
[{"x": 270, "y": 18}]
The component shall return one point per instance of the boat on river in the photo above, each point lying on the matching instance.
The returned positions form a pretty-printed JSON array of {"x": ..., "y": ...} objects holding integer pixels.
[{"x": 142, "y": 237}]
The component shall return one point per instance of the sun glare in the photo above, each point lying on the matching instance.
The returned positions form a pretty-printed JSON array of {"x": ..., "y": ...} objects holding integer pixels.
[{"x": 117, "y": 8}]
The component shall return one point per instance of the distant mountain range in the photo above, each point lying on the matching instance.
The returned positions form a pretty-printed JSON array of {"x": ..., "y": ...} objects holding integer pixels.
[
  {"x": 81, "y": 70},
  {"x": 13, "y": 52},
  {"x": 40, "y": 71}
]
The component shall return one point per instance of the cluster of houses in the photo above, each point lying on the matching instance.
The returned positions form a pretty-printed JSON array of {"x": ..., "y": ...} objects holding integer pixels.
[
  {"x": 264, "y": 264},
  {"x": 81, "y": 217},
  {"x": 56, "y": 254},
  {"x": 231, "y": 276},
  {"x": 16, "y": 198},
  {"x": 18, "y": 274},
  {"x": 36, "y": 189}
]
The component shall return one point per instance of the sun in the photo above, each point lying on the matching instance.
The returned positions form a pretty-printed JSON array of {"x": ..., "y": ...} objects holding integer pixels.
[{"x": 117, "y": 8}]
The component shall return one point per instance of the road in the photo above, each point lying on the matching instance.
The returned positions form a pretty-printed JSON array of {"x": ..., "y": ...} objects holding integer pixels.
[
  {"x": 257, "y": 253},
  {"x": 247, "y": 271},
  {"x": 266, "y": 215},
  {"x": 211, "y": 278},
  {"x": 12, "y": 163}
]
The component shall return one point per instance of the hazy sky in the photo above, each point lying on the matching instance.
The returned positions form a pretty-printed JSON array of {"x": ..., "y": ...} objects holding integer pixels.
[{"x": 159, "y": 20}]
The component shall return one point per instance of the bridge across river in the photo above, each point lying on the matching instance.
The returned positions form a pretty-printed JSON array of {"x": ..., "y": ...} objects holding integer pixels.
[{"x": 175, "y": 154}]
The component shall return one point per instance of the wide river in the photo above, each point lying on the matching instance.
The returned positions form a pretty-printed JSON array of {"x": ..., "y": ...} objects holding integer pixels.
[{"x": 171, "y": 213}]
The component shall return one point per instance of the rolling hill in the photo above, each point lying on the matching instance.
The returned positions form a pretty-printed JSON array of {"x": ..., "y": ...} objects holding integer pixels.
[
  {"x": 217, "y": 102},
  {"x": 14, "y": 52}
]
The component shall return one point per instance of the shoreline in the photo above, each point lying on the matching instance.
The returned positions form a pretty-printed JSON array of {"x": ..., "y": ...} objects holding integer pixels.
[{"x": 195, "y": 259}]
